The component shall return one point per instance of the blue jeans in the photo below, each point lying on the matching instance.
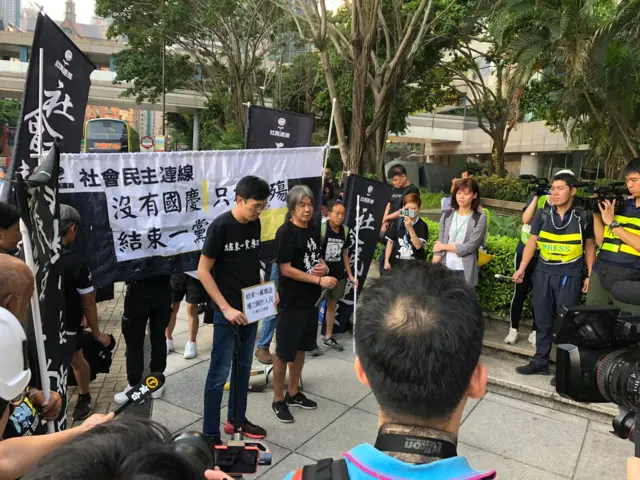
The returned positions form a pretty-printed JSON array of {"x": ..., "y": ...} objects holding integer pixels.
[
  {"x": 219, "y": 368},
  {"x": 269, "y": 324}
]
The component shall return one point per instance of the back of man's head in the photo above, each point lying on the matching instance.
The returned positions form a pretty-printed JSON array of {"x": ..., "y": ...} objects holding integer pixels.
[
  {"x": 118, "y": 450},
  {"x": 418, "y": 341},
  {"x": 16, "y": 286}
]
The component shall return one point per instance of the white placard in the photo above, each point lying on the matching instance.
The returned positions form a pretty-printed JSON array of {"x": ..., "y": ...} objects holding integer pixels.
[
  {"x": 162, "y": 203},
  {"x": 259, "y": 302}
]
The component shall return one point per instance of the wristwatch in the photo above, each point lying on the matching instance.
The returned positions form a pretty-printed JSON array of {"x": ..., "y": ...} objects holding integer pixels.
[{"x": 614, "y": 224}]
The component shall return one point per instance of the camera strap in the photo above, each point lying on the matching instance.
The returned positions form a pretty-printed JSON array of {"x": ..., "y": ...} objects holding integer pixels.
[{"x": 414, "y": 445}]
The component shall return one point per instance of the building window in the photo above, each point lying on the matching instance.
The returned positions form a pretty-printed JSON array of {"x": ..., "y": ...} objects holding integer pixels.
[{"x": 68, "y": 31}]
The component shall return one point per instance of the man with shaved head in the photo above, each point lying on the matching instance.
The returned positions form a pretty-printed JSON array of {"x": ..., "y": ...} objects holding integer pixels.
[
  {"x": 418, "y": 341},
  {"x": 16, "y": 286}
]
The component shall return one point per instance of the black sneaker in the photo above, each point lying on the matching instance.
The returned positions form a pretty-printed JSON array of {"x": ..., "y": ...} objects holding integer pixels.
[
  {"x": 331, "y": 343},
  {"x": 533, "y": 369},
  {"x": 248, "y": 430},
  {"x": 215, "y": 439},
  {"x": 300, "y": 400},
  {"x": 83, "y": 408},
  {"x": 282, "y": 412}
]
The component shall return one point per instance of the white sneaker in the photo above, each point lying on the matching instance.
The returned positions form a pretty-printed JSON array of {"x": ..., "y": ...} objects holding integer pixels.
[
  {"x": 512, "y": 337},
  {"x": 169, "y": 345},
  {"x": 532, "y": 339},
  {"x": 158, "y": 393},
  {"x": 121, "y": 397},
  {"x": 190, "y": 350}
]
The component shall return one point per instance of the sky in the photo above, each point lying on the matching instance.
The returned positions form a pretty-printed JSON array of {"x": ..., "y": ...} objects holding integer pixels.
[{"x": 55, "y": 9}]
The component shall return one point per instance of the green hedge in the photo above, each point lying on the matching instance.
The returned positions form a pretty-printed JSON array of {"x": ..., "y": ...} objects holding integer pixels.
[
  {"x": 510, "y": 189},
  {"x": 495, "y": 296},
  {"x": 430, "y": 200}
]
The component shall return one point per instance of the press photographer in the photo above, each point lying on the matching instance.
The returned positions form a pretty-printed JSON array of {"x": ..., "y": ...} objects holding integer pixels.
[{"x": 617, "y": 232}]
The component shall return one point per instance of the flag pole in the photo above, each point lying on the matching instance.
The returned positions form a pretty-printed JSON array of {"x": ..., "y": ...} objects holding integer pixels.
[
  {"x": 355, "y": 266},
  {"x": 28, "y": 257}
]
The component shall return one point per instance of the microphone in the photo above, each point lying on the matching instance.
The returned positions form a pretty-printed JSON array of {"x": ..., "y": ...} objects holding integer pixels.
[{"x": 138, "y": 394}]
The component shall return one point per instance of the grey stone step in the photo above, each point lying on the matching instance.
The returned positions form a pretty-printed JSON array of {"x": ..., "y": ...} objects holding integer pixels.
[
  {"x": 496, "y": 331},
  {"x": 537, "y": 389}
]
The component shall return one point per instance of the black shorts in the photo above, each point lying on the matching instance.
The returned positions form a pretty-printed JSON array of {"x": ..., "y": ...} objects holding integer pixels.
[
  {"x": 185, "y": 285},
  {"x": 296, "y": 332},
  {"x": 78, "y": 339}
]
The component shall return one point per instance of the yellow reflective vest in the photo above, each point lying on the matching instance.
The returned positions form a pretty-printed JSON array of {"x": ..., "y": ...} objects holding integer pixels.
[
  {"x": 615, "y": 250},
  {"x": 560, "y": 245},
  {"x": 526, "y": 229}
]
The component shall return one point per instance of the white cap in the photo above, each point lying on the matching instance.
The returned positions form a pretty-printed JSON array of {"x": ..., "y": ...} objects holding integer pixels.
[
  {"x": 570, "y": 172},
  {"x": 14, "y": 368}
]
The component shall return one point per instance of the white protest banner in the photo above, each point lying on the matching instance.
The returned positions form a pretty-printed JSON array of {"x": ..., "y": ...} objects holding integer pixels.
[
  {"x": 259, "y": 302},
  {"x": 161, "y": 204}
]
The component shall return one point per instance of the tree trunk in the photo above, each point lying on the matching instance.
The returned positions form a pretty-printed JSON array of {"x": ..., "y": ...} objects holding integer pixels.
[
  {"x": 338, "y": 120},
  {"x": 497, "y": 155}
]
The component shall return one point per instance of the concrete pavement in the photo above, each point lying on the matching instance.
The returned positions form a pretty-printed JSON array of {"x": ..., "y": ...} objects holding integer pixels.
[{"x": 520, "y": 440}]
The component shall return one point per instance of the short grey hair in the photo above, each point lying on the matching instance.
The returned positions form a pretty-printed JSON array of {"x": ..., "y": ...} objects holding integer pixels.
[
  {"x": 69, "y": 217},
  {"x": 296, "y": 194}
]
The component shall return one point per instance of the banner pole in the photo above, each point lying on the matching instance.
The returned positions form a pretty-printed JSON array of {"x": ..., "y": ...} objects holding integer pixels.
[
  {"x": 28, "y": 256},
  {"x": 40, "y": 102},
  {"x": 37, "y": 322},
  {"x": 355, "y": 265}
]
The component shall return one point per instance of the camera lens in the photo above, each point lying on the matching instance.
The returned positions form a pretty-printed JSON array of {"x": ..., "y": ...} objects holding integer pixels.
[
  {"x": 618, "y": 378},
  {"x": 196, "y": 448}
]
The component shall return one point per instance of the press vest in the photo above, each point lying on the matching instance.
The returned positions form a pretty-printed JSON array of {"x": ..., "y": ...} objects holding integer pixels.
[
  {"x": 560, "y": 245},
  {"x": 615, "y": 250},
  {"x": 526, "y": 229}
]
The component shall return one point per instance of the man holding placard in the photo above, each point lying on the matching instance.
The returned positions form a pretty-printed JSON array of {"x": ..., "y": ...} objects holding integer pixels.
[
  {"x": 302, "y": 276},
  {"x": 230, "y": 263}
]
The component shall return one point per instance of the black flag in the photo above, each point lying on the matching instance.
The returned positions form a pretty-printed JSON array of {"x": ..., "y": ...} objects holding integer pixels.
[
  {"x": 374, "y": 197},
  {"x": 66, "y": 83},
  {"x": 270, "y": 128},
  {"x": 39, "y": 209}
]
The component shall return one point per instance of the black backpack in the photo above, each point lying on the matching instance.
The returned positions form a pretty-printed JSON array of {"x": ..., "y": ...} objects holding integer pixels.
[{"x": 326, "y": 469}]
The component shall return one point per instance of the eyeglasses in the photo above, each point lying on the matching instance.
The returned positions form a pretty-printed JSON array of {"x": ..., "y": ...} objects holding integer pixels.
[{"x": 257, "y": 207}]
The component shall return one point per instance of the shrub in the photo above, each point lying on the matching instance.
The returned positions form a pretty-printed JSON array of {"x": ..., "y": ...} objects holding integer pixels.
[
  {"x": 477, "y": 168},
  {"x": 494, "y": 296},
  {"x": 510, "y": 189},
  {"x": 430, "y": 200}
]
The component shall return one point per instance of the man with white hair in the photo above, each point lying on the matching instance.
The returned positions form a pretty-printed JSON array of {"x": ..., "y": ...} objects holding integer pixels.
[{"x": 302, "y": 276}]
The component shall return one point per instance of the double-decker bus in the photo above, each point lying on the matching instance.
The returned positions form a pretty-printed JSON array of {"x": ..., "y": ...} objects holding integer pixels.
[{"x": 104, "y": 135}]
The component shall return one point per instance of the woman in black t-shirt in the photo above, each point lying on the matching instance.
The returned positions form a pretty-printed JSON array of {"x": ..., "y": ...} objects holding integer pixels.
[{"x": 407, "y": 237}]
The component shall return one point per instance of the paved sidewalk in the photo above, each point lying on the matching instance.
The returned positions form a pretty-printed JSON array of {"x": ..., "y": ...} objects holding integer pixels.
[{"x": 521, "y": 441}]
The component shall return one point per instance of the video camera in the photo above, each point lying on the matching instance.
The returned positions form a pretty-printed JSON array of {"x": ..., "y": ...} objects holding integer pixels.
[
  {"x": 235, "y": 458},
  {"x": 598, "y": 358},
  {"x": 537, "y": 186},
  {"x": 598, "y": 193}
]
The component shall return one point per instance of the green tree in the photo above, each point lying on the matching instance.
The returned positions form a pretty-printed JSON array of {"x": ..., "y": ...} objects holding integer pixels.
[
  {"x": 211, "y": 46},
  {"x": 9, "y": 112},
  {"x": 585, "y": 57},
  {"x": 380, "y": 42}
]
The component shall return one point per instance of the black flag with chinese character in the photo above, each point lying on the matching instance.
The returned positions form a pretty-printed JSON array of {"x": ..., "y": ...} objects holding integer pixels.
[
  {"x": 270, "y": 128},
  {"x": 374, "y": 197},
  {"x": 66, "y": 82},
  {"x": 39, "y": 209}
]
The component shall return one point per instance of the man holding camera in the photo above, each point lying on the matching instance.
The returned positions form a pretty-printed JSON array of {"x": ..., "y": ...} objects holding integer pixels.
[
  {"x": 618, "y": 235},
  {"x": 565, "y": 237}
]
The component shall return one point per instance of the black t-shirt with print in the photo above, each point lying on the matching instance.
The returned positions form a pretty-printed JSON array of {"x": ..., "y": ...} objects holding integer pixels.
[
  {"x": 333, "y": 247},
  {"x": 235, "y": 247},
  {"x": 77, "y": 282},
  {"x": 403, "y": 249},
  {"x": 398, "y": 194},
  {"x": 301, "y": 248}
]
